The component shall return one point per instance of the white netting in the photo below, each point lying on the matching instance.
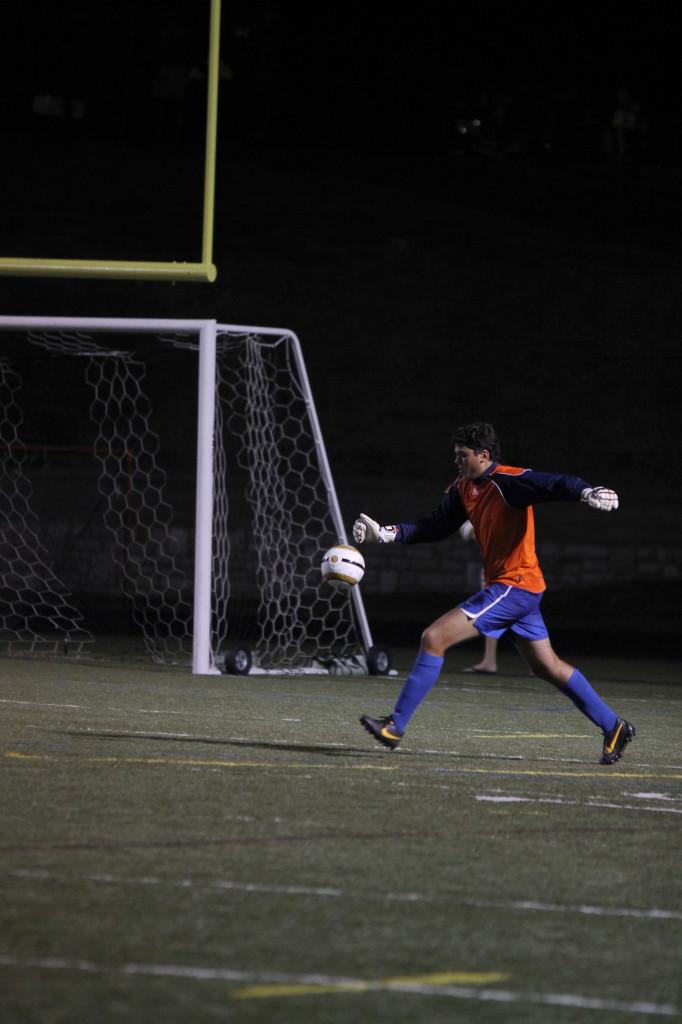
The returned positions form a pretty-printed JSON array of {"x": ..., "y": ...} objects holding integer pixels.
[
  {"x": 289, "y": 523},
  {"x": 137, "y": 514},
  {"x": 113, "y": 418},
  {"x": 36, "y": 611}
]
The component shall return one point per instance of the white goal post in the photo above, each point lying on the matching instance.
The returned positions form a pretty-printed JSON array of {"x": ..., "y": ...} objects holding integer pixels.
[{"x": 113, "y": 393}]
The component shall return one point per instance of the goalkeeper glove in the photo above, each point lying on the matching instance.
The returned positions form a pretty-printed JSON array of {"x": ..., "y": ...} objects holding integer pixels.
[
  {"x": 600, "y": 497},
  {"x": 466, "y": 531},
  {"x": 365, "y": 528}
]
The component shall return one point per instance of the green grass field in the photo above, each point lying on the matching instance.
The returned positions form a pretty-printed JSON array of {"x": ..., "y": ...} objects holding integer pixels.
[{"x": 182, "y": 849}]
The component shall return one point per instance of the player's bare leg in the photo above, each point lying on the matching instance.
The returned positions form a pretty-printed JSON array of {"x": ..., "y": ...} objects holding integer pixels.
[
  {"x": 450, "y": 629},
  {"x": 488, "y": 663},
  {"x": 544, "y": 661}
]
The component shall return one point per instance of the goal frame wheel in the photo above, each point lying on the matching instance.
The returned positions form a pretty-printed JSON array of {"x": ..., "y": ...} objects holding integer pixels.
[
  {"x": 238, "y": 660},
  {"x": 379, "y": 660}
]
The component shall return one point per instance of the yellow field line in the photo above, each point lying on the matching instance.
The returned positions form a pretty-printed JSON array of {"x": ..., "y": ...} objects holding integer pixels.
[
  {"x": 198, "y": 762},
  {"x": 532, "y": 736},
  {"x": 605, "y": 773},
  {"x": 444, "y": 978}
]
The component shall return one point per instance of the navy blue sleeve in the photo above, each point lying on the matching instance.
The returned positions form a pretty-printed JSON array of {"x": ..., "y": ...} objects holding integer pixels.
[
  {"x": 532, "y": 488},
  {"x": 444, "y": 520}
]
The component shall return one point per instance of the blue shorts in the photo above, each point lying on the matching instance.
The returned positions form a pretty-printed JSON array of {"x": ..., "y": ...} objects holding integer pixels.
[{"x": 499, "y": 607}]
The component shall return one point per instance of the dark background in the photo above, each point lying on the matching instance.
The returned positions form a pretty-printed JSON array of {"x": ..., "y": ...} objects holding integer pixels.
[{"x": 434, "y": 199}]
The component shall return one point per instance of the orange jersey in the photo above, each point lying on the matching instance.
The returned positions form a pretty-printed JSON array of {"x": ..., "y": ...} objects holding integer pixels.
[
  {"x": 499, "y": 506},
  {"x": 506, "y": 534}
]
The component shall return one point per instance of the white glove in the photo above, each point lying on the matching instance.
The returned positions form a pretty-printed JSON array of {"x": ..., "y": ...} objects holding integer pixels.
[
  {"x": 365, "y": 528},
  {"x": 600, "y": 497},
  {"x": 466, "y": 531}
]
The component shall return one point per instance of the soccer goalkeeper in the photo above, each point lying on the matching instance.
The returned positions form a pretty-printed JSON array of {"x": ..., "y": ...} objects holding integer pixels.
[{"x": 498, "y": 501}]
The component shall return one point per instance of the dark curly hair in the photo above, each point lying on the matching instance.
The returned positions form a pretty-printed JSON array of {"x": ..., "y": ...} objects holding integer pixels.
[{"x": 478, "y": 436}]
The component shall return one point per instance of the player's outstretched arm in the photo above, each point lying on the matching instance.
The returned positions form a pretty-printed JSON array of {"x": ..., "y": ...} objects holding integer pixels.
[
  {"x": 601, "y": 498},
  {"x": 366, "y": 529}
]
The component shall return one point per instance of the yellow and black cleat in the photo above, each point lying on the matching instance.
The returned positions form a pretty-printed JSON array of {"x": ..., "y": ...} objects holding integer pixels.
[
  {"x": 382, "y": 729},
  {"x": 616, "y": 741}
]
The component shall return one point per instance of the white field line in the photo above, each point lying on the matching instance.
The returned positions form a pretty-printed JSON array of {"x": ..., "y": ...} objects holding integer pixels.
[
  {"x": 40, "y": 704},
  {"x": 654, "y": 796},
  {"x": 635, "y": 807},
  {"x": 226, "y": 885},
  {"x": 541, "y": 999},
  {"x": 595, "y": 802},
  {"x": 342, "y": 984}
]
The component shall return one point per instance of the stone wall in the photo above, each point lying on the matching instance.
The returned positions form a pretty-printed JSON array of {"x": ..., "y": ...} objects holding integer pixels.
[
  {"x": 448, "y": 567},
  {"x": 453, "y": 566}
]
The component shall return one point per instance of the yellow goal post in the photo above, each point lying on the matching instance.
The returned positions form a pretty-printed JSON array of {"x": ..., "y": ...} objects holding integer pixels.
[{"x": 204, "y": 270}]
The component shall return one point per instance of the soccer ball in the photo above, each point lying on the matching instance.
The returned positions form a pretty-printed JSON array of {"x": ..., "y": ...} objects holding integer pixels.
[{"x": 342, "y": 566}]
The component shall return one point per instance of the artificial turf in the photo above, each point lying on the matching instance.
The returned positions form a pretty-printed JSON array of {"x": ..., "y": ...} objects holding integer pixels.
[{"x": 192, "y": 849}]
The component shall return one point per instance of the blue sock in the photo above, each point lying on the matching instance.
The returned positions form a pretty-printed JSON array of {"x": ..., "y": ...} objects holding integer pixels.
[
  {"x": 589, "y": 702},
  {"x": 423, "y": 676}
]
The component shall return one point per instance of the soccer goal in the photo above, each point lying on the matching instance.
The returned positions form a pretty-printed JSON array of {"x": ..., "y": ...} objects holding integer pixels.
[{"x": 167, "y": 481}]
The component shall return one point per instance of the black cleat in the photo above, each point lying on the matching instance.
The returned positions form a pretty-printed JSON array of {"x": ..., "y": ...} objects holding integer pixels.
[
  {"x": 382, "y": 729},
  {"x": 616, "y": 741}
]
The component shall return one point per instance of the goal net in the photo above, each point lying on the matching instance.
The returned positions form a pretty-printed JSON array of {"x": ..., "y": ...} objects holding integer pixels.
[{"x": 165, "y": 487}]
